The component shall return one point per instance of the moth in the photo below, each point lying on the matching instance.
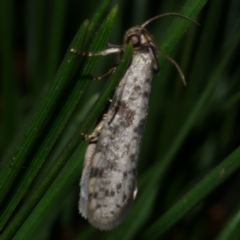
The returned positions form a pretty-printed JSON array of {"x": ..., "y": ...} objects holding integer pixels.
[{"x": 108, "y": 183}]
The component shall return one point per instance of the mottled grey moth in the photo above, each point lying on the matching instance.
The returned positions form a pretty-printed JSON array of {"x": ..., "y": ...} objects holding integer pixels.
[{"x": 108, "y": 183}]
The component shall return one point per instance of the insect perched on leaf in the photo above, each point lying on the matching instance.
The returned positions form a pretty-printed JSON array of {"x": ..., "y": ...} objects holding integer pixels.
[{"x": 108, "y": 183}]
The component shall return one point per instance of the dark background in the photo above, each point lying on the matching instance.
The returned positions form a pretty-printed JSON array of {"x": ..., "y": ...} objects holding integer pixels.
[{"x": 189, "y": 132}]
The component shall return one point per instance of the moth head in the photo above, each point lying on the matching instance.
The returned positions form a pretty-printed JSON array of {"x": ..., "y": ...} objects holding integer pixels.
[{"x": 139, "y": 37}]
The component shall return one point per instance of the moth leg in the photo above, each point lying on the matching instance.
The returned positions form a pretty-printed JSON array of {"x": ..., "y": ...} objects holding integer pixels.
[
  {"x": 94, "y": 136},
  {"x": 115, "y": 46},
  {"x": 107, "y": 51},
  {"x": 105, "y": 74}
]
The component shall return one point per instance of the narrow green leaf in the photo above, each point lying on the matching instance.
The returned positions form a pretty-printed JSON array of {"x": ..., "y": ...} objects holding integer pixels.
[
  {"x": 62, "y": 79},
  {"x": 71, "y": 172},
  {"x": 63, "y": 116},
  {"x": 57, "y": 24},
  {"x": 207, "y": 185},
  {"x": 45, "y": 148},
  {"x": 229, "y": 165},
  {"x": 42, "y": 115},
  {"x": 68, "y": 68}
]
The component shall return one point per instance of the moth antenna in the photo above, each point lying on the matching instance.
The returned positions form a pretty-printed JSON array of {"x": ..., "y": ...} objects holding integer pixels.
[
  {"x": 160, "y": 51},
  {"x": 175, "y": 64},
  {"x": 168, "y": 14}
]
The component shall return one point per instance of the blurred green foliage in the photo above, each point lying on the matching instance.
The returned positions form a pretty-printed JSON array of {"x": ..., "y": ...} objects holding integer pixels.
[{"x": 188, "y": 173}]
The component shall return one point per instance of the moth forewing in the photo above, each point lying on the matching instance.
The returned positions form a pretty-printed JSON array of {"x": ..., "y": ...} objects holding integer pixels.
[
  {"x": 108, "y": 182},
  {"x": 83, "y": 202}
]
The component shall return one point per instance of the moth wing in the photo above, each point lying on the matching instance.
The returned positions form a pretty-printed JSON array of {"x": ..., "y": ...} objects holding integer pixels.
[{"x": 83, "y": 201}]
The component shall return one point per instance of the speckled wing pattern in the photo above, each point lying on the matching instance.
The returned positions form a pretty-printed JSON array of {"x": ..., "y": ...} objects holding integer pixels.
[{"x": 108, "y": 184}]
